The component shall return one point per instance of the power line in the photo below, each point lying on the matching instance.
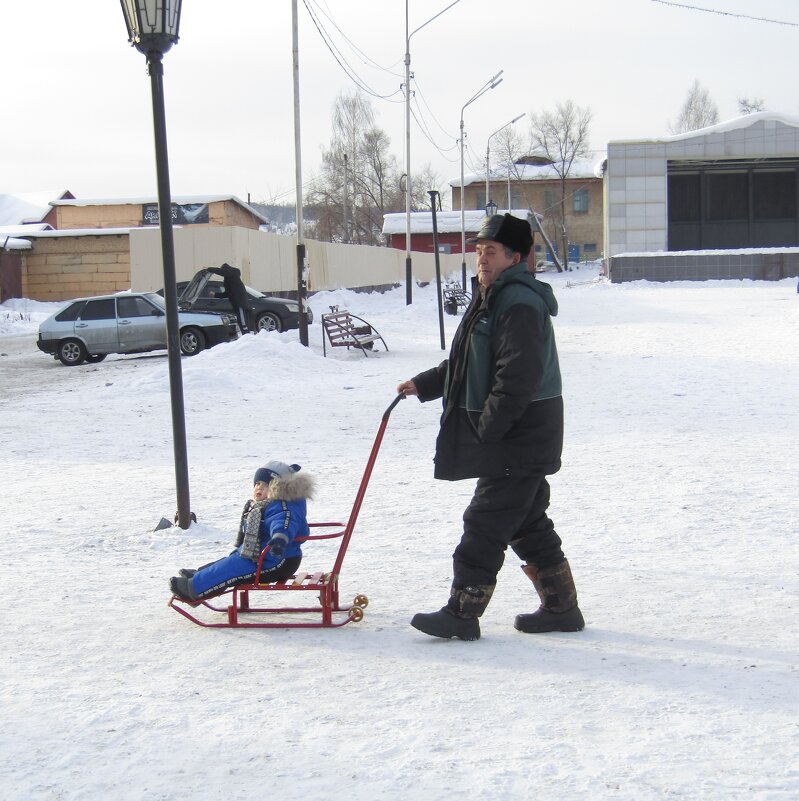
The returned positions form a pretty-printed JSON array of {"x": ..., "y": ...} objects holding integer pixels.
[
  {"x": 342, "y": 61},
  {"x": 425, "y": 128},
  {"x": 365, "y": 58},
  {"x": 427, "y": 106},
  {"x": 726, "y": 13},
  {"x": 442, "y": 152}
]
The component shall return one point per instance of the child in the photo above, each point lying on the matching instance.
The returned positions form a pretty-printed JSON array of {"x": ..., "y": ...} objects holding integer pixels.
[{"x": 276, "y": 516}]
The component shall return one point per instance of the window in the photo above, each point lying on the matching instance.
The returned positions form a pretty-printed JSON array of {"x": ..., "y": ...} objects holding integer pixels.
[
  {"x": 580, "y": 201},
  {"x": 550, "y": 200},
  {"x": 589, "y": 248},
  {"x": 684, "y": 197},
  {"x": 774, "y": 195},
  {"x": 99, "y": 310},
  {"x": 727, "y": 196},
  {"x": 134, "y": 307},
  {"x": 213, "y": 291},
  {"x": 70, "y": 314},
  {"x": 480, "y": 203}
]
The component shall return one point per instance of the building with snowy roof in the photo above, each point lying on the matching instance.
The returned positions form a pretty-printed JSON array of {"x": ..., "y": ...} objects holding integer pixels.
[
  {"x": 58, "y": 247},
  {"x": 534, "y": 183}
]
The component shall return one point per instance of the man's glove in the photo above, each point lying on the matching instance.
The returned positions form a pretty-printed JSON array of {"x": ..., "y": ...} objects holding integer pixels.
[{"x": 277, "y": 545}]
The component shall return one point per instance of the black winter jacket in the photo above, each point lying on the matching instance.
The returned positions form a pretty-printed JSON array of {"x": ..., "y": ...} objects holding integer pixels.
[{"x": 501, "y": 385}]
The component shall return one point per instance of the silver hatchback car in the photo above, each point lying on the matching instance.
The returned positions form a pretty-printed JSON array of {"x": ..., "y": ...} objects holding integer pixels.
[{"x": 88, "y": 329}]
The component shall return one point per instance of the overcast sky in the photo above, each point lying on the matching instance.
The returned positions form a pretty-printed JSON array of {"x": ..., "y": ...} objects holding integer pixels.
[{"x": 78, "y": 115}]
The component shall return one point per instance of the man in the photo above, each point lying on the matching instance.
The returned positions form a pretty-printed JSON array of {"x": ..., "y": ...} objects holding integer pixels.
[
  {"x": 236, "y": 293},
  {"x": 502, "y": 424}
]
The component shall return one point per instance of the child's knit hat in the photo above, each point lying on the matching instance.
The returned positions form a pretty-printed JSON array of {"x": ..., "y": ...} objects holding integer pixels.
[{"x": 274, "y": 470}]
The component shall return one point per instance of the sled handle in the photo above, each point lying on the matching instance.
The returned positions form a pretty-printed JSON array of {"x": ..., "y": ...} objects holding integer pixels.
[{"x": 390, "y": 409}]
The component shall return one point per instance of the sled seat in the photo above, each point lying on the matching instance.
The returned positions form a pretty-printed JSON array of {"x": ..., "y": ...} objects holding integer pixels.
[{"x": 344, "y": 330}]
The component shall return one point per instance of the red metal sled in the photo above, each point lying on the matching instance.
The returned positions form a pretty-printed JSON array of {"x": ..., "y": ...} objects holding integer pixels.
[{"x": 328, "y": 612}]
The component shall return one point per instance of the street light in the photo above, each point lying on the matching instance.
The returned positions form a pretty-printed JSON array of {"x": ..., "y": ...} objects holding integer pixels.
[
  {"x": 302, "y": 277},
  {"x": 408, "y": 264},
  {"x": 491, "y": 208},
  {"x": 152, "y": 30},
  {"x": 488, "y": 152},
  {"x": 491, "y": 83}
]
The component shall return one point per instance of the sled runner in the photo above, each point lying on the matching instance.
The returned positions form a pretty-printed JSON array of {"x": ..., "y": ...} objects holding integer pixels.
[{"x": 325, "y": 611}]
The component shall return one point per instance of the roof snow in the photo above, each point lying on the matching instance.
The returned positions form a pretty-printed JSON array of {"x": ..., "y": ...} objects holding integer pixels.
[
  {"x": 737, "y": 123},
  {"x": 26, "y": 207},
  {"x": 580, "y": 168},
  {"x": 447, "y": 222}
]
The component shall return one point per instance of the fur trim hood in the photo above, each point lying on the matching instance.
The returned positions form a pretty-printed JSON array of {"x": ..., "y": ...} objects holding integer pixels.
[{"x": 293, "y": 487}]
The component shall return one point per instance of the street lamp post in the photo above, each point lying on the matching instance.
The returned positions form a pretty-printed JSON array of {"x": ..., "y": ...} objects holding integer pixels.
[
  {"x": 435, "y": 202},
  {"x": 492, "y": 83},
  {"x": 302, "y": 282},
  {"x": 408, "y": 261},
  {"x": 488, "y": 155},
  {"x": 152, "y": 30}
]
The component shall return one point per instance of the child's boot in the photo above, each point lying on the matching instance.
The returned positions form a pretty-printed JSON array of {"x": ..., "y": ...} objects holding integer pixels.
[
  {"x": 459, "y": 618},
  {"x": 558, "y": 610},
  {"x": 182, "y": 588}
]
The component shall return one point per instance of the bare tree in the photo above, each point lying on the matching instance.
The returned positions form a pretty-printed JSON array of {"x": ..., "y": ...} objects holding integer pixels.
[
  {"x": 562, "y": 136},
  {"x": 427, "y": 178},
  {"x": 359, "y": 179},
  {"x": 698, "y": 111},
  {"x": 747, "y": 106},
  {"x": 508, "y": 148}
]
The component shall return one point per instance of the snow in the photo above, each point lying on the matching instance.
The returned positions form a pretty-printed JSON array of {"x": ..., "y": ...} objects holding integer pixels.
[
  {"x": 709, "y": 252},
  {"x": 447, "y": 222},
  {"x": 677, "y": 503},
  {"x": 734, "y": 124},
  {"x": 8, "y": 242},
  {"x": 580, "y": 168},
  {"x": 25, "y": 207}
]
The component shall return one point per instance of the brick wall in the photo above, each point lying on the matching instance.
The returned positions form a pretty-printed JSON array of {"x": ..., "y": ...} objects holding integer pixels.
[
  {"x": 66, "y": 267},
  {"x": 130, "y": 215},
  {"x": 583, "y": 228}
]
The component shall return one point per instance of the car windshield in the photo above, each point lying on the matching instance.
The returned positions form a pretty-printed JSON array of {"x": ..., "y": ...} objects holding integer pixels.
[
  {"x": 156, "y": 300},
  {"x": 254, "y": 292}
]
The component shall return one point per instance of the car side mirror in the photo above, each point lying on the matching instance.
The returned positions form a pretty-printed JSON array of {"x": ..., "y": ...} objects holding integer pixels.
[{"x": 156, "y": 313}]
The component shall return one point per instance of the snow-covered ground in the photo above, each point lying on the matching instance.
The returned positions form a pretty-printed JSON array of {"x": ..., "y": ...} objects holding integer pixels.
[{"x": 678, "y": 504}]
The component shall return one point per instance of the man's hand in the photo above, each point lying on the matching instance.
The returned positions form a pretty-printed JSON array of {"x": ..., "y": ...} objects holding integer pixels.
[{"x": 407, "y": 388}]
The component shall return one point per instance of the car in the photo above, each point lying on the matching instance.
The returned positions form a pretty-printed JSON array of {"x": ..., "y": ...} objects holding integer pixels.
[
  {"x": 88, "y": 329},
  {"x": 207, "y": 293}
]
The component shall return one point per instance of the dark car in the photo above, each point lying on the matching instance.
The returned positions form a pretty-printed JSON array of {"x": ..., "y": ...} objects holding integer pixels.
[
  {"x": 88, "y": 329},
  {"x": 205, "y": 292}
]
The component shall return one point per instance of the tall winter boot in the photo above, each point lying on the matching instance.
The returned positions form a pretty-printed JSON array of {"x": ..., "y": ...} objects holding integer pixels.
[
  {"x": 558, "y": 610},
  {"x": 459, "y": 617}
]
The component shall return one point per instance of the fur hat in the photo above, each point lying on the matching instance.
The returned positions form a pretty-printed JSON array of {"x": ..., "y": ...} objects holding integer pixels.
[
  {"x": 273, "y": 470},
  {"x": 508, "y": 230}
]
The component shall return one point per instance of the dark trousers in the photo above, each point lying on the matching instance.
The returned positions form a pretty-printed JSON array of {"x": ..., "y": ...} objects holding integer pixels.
[
  {"x": 503, "y": 512},
  {"x": 242, "y": 317}
]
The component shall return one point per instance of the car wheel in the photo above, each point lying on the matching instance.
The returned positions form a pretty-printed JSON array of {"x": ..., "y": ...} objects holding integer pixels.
[
  {"x": 72, "y": 352},
  {"x": 268, "y": 322},
  {"x": 93, "y": 358},
  {"x": 192, "y": 341}
]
